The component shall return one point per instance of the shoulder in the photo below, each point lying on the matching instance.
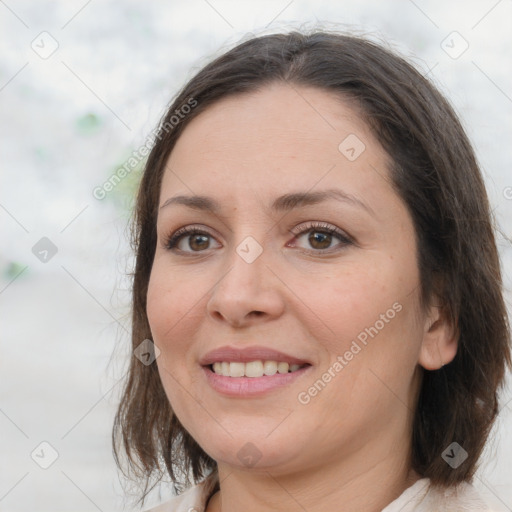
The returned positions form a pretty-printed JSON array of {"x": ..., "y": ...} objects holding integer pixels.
[
  {"x": 192, "y": 500},
  {"x": 423, "y": 497},
  {"x": 420, "y": 497}
]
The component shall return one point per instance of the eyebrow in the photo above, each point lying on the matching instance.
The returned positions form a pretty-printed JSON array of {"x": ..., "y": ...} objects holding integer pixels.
[{"x": 283, "y": 203}]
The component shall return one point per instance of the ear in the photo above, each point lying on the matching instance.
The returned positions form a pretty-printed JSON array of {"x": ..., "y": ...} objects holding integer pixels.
[{"x": 440, "y": 339}]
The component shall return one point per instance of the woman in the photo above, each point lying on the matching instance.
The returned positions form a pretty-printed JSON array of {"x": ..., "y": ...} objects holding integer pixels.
[{"x": 316, "y": 267}]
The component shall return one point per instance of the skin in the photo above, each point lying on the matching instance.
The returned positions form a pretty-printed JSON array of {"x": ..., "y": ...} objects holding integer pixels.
[{"x": 349, "y": 445}]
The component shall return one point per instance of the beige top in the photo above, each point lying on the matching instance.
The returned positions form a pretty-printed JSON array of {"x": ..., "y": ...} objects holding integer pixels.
[{"x": 420, "y": 497}]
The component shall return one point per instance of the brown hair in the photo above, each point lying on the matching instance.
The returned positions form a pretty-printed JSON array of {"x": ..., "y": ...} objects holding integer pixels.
[{"x": 433, "y": 169}]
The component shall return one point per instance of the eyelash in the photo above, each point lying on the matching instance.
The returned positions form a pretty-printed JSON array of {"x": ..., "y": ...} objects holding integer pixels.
[
  {"x": 172, "y": 241},
  {"x": 323, "y": 227}
]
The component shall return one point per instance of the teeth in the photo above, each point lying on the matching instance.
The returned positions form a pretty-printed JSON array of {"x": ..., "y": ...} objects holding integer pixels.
[
  {"x": 269, "y": 367},
  {"x": 236, "y": 369},
  {"x": 283, "y": 367},
  {"x": 253, "y": 368}
]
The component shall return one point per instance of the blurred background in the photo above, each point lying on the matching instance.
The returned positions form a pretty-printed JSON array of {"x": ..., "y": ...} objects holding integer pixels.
[{"x": 82, "y": 85}]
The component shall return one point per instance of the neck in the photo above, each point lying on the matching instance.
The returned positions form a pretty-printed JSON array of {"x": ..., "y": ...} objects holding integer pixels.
[{"x": 356, "y": 483}]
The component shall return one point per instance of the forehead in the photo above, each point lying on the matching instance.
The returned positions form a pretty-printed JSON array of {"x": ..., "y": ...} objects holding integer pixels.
[{"x": 276, "y": 139}]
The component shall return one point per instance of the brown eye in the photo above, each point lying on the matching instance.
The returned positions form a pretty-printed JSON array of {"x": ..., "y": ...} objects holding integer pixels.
[
  {"x": 319, "y": 240},
  {"x": 189, "y": 240},
  {"x": 198, "y": 242}
]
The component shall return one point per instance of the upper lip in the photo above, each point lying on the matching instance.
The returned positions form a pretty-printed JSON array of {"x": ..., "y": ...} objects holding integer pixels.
[{"x": 247, "y": 354}]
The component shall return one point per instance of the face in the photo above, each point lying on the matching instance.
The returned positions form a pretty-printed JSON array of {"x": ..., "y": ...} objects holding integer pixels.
[{"x": 299, "y": 251}]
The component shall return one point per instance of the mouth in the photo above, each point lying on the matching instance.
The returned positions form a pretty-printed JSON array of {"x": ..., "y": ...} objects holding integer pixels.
[
  {"x": 251, "y": 371},
  {"x": 254, "y": 369}
]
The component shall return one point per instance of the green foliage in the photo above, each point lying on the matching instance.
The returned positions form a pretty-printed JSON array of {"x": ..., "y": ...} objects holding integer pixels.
[
  {"x": 124, "y": 192},
  {"x": 13, "y": 269},
  {"x": 88, "y": 124}
]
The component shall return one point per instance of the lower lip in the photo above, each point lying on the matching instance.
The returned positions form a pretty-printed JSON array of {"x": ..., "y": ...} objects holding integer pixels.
[{"x": 251, "y": 386}]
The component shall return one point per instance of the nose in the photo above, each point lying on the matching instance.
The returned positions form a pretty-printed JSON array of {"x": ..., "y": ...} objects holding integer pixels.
[{"x": 247, "y": 294}]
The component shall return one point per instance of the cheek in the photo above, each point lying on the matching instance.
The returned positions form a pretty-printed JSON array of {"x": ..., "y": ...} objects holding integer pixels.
[
  {"x": 372, "y": 316},
  {"x": 354, "y": 297},
  {"x": 171, "y": 305},
  {"x": 373, "y": 349}
]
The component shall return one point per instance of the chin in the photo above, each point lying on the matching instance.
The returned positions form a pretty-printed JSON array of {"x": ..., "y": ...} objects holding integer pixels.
[{"x": 255, "y": 452}]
